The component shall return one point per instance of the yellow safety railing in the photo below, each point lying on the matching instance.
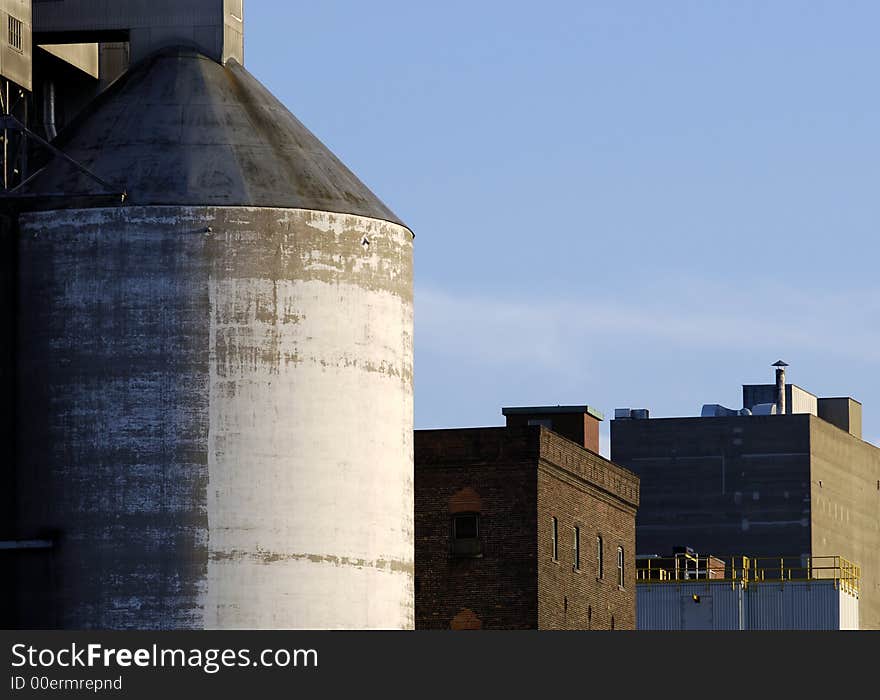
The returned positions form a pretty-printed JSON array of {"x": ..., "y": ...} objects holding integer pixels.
[{"x": 743, "y": 569}]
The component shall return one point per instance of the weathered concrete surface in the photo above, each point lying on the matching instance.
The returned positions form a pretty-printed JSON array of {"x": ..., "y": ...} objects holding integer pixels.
[
  {"x": 845, "y": 512},
  {"x": 216, "y": 417},
  {"x": 844, "y": 412}
]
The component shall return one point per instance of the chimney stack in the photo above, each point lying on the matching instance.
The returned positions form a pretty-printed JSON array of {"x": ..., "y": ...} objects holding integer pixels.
[
  {"x": 577, "y": 423},
  {"x": 780, "y": 386}
]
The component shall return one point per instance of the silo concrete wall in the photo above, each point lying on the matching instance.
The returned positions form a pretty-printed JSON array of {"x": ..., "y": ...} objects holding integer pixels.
[{"x": 216, "y": 405}]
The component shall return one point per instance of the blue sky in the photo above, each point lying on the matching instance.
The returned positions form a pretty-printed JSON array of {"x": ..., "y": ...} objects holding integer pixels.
[{"x": 637, "y": 204}]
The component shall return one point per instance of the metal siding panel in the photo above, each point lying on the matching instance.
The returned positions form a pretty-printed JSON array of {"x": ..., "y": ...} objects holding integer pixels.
[
  {"x": 793, "y": 605},
  {"x": 15, "y": 64},
  {"x": 728, "y": 606},
  {"x": 233, "y": 31},
  {"x": 85, "y": 57},
  {"x": 848, "y": 605},
  {"x": 152, "y": 23},
  {"x": 87, "y": 15},
  {"x": 696, "y": 610},
  {"x": 803, "y": 401},
  {"x": 659, "y": 605}
]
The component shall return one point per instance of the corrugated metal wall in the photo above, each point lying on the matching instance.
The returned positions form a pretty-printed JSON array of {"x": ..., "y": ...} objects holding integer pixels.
[
  {"x": 796, "y": 605},
  {"x": 717, "y": 606},
  {"x": 793, "y": 605},
  {"x": 849, "y": 610},
  {"x": 801, "y": 401}
]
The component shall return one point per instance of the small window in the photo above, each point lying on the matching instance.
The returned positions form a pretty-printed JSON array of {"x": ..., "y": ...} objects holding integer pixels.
[
  {"x": 577, "y": 549},
  {"x": 620, "y": 566},
  {"x": 466, "y": 534},
  {"x": 554, "y": 534},
  {"x": 600, "y": 556},
  {"x": 15, "y": 33}
]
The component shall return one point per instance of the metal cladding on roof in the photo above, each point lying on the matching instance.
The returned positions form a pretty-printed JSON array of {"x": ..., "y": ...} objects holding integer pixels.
[{"x": 181, "y": 129}]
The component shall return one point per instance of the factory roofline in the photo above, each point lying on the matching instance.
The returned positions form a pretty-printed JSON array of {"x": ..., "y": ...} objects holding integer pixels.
[
  {"x": 796, "y": 386},
  {"x": 534, "y": 410},
  {"x": 181, "y": 129},
  {"x": 840, "y": 398}
]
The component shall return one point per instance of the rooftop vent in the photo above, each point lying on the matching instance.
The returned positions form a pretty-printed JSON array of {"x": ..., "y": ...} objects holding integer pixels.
[
  {"x": 764, "y": 409},
  {"x": 714, "y": 410},
  {"x": 631, "y": 414}
]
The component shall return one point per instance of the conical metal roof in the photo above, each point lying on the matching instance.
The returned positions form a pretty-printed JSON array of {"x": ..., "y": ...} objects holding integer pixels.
[{"x": 181, "y": 129}]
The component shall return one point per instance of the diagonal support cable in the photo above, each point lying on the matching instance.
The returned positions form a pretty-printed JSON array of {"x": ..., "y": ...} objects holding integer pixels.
[{"x": 10, "y": 122}]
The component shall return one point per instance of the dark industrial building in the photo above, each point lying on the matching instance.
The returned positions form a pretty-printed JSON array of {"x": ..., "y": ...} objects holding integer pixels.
[
  {"x": 786, "y": 475},
  {"x": 524, "y": 526}
]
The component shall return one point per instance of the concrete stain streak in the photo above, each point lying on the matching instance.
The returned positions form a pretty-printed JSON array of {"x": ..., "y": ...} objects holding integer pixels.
[
  {"x": 326, "y": 345},
  {"x": 211, "y": 393},
  {"x": 268, "y": 557}
]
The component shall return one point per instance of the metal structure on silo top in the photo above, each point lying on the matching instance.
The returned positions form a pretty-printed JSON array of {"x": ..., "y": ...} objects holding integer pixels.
[{"x": 215, "y": 376}]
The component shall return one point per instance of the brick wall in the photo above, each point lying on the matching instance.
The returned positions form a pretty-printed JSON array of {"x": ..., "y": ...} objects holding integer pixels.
[
  {"x": 579, "y": 427},
  {"x": 603, "y": 505},
  {"x": 494, "y": 470},
  {"x": 517, "y": 479}
]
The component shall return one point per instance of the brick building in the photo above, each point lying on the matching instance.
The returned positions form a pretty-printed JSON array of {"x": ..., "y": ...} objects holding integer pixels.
[{"x": 524, "y": 526}]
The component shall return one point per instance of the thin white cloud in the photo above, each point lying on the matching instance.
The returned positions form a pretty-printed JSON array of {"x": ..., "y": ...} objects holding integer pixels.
[{"x": 547, "y": 331}]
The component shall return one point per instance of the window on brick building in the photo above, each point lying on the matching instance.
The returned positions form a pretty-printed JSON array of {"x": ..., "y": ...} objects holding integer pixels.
[
  {"x": 554, "y": 534},
  {"x": 600, "y": 556},
  {"x": 577, "y": 549},
  {"x": 620, "y": 566},
  {"x": 466, "y": 534}
]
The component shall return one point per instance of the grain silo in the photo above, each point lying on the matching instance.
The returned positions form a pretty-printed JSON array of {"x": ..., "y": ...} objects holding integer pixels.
[{"x": 215, "y": 355}]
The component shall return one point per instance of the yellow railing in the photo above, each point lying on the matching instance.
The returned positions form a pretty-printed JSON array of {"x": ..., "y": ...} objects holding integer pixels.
[{"x": 742, "y": 569}]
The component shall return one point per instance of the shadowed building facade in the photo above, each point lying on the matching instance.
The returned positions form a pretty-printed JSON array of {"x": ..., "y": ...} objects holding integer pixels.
[
  {"x": 522, "y": 527},
  {"x": 797, "y": 484}
]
